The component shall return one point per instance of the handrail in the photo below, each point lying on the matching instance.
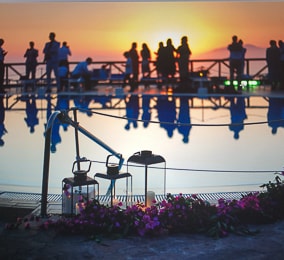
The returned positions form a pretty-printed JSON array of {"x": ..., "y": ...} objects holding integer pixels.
[
  {"x": 63, "y": 116},
  {"x": 221, "y": 67}
]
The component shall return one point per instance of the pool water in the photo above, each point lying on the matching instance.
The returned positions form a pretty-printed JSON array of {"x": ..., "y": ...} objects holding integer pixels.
[{"x": 205, "y": 147}]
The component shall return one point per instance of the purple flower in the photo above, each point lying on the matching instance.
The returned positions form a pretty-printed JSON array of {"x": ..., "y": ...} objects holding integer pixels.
[
  {"x": 66, "y": 188},
  {"x": 117, "y": 224}
]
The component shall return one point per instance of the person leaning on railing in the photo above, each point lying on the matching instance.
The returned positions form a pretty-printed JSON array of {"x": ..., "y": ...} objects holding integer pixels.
[{"x": 82, "y": 71}]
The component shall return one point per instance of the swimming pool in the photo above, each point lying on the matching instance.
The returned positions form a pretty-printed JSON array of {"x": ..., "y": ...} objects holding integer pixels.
[{"x": 207, "y": 156}]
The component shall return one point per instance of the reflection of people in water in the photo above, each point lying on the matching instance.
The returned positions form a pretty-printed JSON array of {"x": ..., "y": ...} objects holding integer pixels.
[
  {"x": 146, "y": 115},
  {"x": 48, "y": 108},
  {"x": 3, "y": 130},
  {"x": 166, "y": 108},
  {"x": 238, "y": 115},
  {"x": 275, "y": 114},
  {"x": 31, "y": 112},
  {"x": 83, "y": 102},
  {"x": 183, "y": 120},
  {"x": 55, "y": 137},
  {"x": 104, "y": 100},
  {"x": 62, "y": 104},
  {"x": 132, "y": 111}
]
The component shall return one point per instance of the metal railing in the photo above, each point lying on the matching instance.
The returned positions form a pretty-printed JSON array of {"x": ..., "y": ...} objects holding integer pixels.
[{"x": 255, "y": 67}]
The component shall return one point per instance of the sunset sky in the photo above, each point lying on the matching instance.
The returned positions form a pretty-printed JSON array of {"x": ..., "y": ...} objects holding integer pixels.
[{"x": 104, "y": 30}]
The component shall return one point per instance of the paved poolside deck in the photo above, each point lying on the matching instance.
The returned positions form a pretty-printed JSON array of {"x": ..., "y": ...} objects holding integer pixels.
[{"x": 36, "y": 244}]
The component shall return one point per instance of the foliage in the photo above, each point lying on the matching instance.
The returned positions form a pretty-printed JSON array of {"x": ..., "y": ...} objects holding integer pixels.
[
  {"x": 177, "y": 214},
  {"x": 185, "y": 214}
]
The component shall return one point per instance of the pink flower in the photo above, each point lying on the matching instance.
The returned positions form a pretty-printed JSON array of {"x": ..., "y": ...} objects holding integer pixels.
[{"x": 27, "y": 225}]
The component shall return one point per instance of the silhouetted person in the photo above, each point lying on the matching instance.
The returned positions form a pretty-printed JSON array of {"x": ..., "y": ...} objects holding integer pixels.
[
  {"x": 275, "y": 114},
  {"x": 273, "y": 63},
  {"x": 235, "y": 59},
  {"x": 51, "y": 51},
  {"x": 243, "y": 54},
  {"x": 64, "y": 53},
  {"x": 63, "y": 72},
  {"x": 238, "y": 115},
  {"x": 82, "y": 71},
  {"x": 183, "y": 120},
  {"x": 183, "y": 56},
  {"x": 281, "y": 49},
  {"x": 31, "y": 112},
  {"x": 3, "y": 130},
  {"x": 146, "y": 57},
  {"x": 132, "y": 111},
  {"x": 160, "y": 61},
  {"x": 128, "y": 68},
  {"x": 31, "y": 55},
  {"x": 135, "y": 61},
  {"x": 170, "y": 61},
  {"x": 3, "y": 53}
]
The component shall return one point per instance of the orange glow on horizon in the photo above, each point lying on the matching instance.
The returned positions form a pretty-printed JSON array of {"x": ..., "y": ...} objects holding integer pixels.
[{"x": 104, "y": 30}]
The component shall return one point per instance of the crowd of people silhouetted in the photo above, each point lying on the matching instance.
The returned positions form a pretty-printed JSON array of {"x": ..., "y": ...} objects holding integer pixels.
[
  {"x": 172, "y": 120},
  {"x": 165, "y": 62},
  {"x": 274, "y": 58},
  {"x": 56, "y": 59},
  {"x": 168, "y": 62}
]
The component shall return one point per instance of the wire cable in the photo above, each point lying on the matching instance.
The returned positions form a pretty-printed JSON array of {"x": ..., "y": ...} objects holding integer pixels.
[
  {"x": 185, "y": 124},
  {"x": 196, "y": 170}
]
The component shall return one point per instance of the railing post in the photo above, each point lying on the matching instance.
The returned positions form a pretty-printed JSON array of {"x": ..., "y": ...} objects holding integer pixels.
[
  {"x": 76, "y": 139},
  {"x": 247, "y": 65},
  {"x": 114, "y": 65},
  {"x": 6, "y": 76},
  {"x": 45, "y": 175}
]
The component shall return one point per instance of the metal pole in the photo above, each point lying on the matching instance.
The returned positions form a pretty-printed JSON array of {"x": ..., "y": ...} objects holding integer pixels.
[
  {"x": 45, "y": 174},
  {"x": 77, "y": 140},
  {"x": 146, "y": 183},
  {"x": 64, "y": 118}
]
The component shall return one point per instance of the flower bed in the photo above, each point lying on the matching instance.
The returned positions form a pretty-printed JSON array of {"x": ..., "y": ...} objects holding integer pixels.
[{"x": 177, "y": 214}]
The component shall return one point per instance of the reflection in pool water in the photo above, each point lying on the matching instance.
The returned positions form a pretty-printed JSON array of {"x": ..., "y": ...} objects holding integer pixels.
[{"x": 205, "y": 144}]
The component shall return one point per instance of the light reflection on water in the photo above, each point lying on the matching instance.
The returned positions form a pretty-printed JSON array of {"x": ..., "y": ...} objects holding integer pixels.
[{"x": 197, "y": 149}]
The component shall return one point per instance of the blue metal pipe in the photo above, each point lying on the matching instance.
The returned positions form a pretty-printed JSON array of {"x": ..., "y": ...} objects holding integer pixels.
[{"x": 64, "y": 118}]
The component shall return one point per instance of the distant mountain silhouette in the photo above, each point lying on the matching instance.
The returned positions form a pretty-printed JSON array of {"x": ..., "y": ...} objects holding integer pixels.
[{"x": 223, "y": 53}]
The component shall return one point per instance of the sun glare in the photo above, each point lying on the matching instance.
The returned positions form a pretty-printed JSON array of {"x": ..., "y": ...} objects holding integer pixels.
[
  {"x": 163, "y": 36},
  {"x": 100, "y": 31}
]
